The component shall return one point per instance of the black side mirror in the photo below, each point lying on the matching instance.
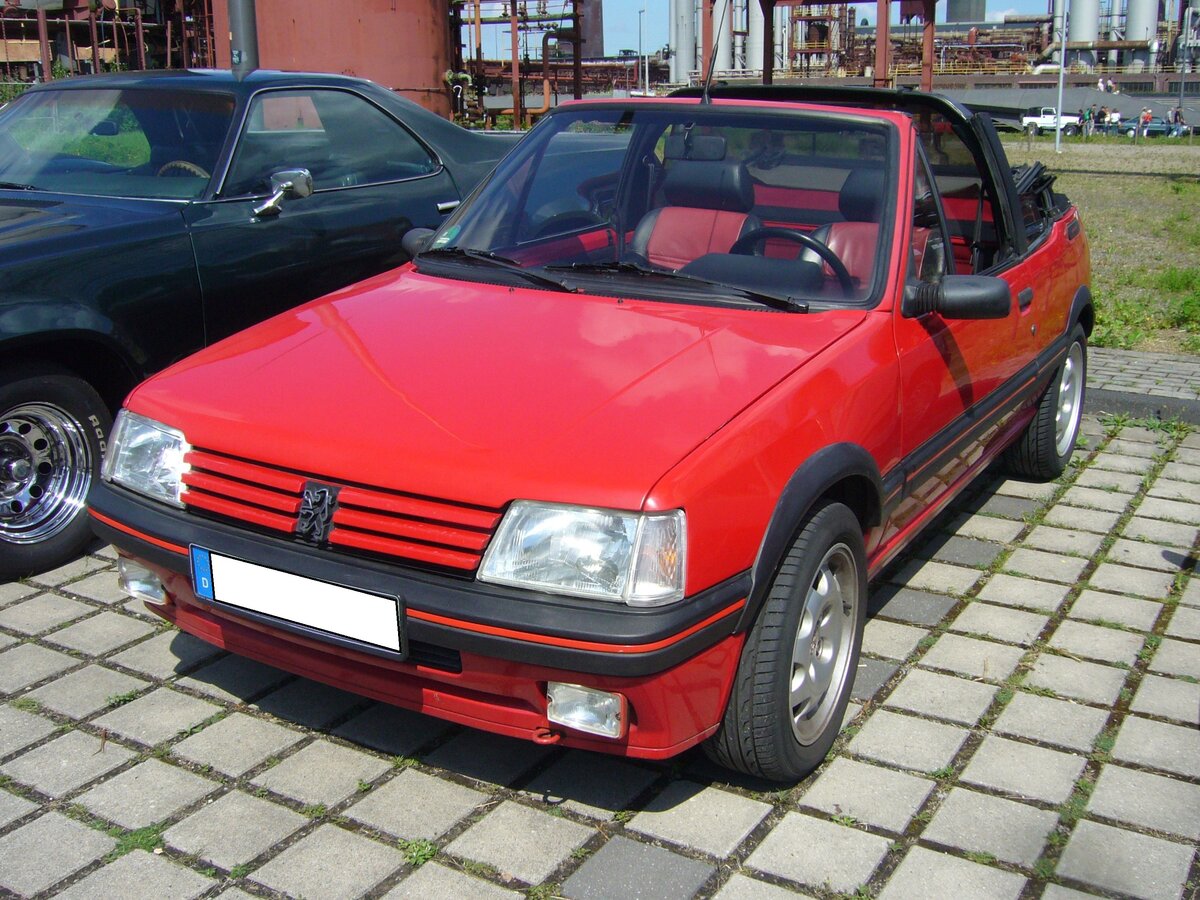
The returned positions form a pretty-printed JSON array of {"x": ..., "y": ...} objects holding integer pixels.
[
  {"x": 416, "y": 240},
  {"x": 105, "y": 128},
  {"x": 958, "y": 297}
]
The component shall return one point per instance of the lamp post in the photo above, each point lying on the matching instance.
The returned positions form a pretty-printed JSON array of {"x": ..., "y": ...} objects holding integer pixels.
[
  {"x": 1062, "y": 71},
  {"x": 641, "y": 13}
]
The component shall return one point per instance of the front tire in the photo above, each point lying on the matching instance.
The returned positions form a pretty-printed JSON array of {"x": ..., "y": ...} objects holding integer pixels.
[
  {"x": 52, "y": 431},
  {"x": 1045, "y": 448},
  {"x": 797, "y": 668}
]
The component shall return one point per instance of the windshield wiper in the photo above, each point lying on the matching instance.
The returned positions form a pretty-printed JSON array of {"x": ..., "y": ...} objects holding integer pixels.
[
  {"x": 17, "y": 186},
  {"x": 775, "y": 301},
  {"x": 501, "y": 262}
]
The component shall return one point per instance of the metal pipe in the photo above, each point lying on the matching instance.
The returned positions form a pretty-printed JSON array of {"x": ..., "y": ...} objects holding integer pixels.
[
  {"x": 95, "y": 41},
  {"x": 44, "y": 45},
  {"x": 140, "y": 31},
  {"x": 1062, "y": 71},
  {"x": 516, "y": 70},
  {"x": 243, "y": 38}
]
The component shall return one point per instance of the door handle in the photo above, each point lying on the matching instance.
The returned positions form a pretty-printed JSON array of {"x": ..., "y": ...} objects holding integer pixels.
[
  {"x": 1025, "y": 298},
  {"x": 447, "y": 206}
]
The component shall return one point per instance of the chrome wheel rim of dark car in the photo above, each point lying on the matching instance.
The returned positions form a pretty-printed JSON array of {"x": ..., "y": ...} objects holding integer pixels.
[
  {"x": 1070, "y": 396},
  {"x": 822, "y": 644},
  {"x": 45, "y": 471}
]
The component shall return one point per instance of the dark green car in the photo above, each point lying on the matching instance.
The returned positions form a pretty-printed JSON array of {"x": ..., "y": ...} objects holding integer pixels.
[{"x": 145, "y": 215}]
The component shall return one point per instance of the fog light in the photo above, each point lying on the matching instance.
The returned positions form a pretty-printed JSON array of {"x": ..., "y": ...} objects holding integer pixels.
[
  {"x": 138, "y": 581},
  {"x": 584, "y": 709}
]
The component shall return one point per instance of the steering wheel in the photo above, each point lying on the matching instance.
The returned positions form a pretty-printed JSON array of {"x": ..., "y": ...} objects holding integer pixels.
[
  {"x": 190, "y": 167},
  {"x": 750, "y": 244}
]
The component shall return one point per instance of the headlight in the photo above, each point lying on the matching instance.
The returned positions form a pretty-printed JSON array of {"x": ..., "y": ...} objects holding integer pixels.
[
  {"x": 147, "y": 457},
  {"x": 633, "y": 558}
]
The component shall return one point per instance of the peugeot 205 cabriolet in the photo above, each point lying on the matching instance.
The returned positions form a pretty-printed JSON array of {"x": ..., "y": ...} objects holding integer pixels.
[{"x": 611, "y": 462}]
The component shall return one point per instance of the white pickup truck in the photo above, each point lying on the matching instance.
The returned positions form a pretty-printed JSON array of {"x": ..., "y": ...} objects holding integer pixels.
[{"x": 1043, "y": 119}]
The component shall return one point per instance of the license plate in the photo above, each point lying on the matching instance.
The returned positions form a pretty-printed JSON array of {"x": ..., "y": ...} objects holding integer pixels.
[{"x": 293, "y": 599}]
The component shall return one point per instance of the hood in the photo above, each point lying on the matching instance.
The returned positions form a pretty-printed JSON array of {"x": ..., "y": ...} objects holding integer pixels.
[
  {"x": 481, "y": 393},
  {"x": 28, "y": 217}
]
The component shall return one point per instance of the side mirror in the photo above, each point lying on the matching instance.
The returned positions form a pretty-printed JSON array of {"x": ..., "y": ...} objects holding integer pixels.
[
  {"x": 416, "y": 240},
  {"x": 958, "y": 297},
  {"x": 293, "y": 183},
  {"x": 107, "y": 128}
]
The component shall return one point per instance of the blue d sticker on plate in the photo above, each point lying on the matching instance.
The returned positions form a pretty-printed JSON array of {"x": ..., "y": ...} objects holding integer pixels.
[{"x": 202, "y": 581}]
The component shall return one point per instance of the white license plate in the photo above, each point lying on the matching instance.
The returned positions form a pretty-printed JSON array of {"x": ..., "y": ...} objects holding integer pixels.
[{"x": 341, "y": 611}]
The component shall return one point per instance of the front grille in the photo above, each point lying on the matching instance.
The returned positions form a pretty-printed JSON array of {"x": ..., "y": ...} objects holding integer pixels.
[{"x": 366, "y": 520}]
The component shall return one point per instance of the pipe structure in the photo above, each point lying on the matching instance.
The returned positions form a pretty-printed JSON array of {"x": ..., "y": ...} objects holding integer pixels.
[
  {"x": 44, "y": 44},
  {"x": 722, "y": 16},
  {"x": 243, "y": 38},
  {"x": 1084, "y": 28},
  {"x": 755, "y": 26},
  {"x": 1141, "y": 24}
]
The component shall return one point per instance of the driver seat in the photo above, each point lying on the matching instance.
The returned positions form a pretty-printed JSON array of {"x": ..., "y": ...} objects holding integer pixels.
[
  {"x": 707, "y": 211},
  {"x": 854, "y": 241}
]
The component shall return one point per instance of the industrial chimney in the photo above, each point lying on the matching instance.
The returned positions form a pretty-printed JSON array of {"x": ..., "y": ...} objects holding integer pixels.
[{"x": 243, "y": 38}]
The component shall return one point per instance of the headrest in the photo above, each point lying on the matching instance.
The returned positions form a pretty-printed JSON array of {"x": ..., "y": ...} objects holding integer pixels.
[
  {"x": 861, "y": 197},
  {"x": 709, "y": 185}
]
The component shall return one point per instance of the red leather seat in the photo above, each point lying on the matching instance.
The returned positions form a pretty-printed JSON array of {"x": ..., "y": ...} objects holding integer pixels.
[
  {"x": 856, "y": 240},
  {"x": 708, "y": 209}
]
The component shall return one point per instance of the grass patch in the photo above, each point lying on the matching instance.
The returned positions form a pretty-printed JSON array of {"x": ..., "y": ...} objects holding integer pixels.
[
  {"x": 27, "y": 704},
  {"x": 418, "y": 852},
  {"x": 148, "y": 839}
]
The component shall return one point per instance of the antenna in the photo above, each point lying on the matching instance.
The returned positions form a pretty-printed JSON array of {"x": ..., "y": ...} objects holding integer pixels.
[{"x": 712, "y": 60}]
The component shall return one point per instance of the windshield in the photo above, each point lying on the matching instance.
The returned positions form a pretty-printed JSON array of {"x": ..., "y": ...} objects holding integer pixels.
[
  {"x": 670, "y": 200},
  {"x": 118, "y": 143}
]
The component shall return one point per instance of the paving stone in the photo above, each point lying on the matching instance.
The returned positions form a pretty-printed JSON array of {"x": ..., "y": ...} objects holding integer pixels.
[
  {"x": 872, "y": 675},
  {"x": 149, "y": 792},
  {"x": 309, "y": 703},
  {"x": 1046, "y": 566},
  {"x": 942, "y": 696},
  {"x": 1077, "y": 679},
  {"x": 1191, "y": 592},
  {"x": 19, "y": 729},
  {"x": 392, "y": 730},
  {"x": 846, "y": 859},
  {"x": 1149, "y": 801},
  {"x": 13, "y": 591},
  {"x": 100, "y": 634},
  {"x": 137, "y": 607},
  {"x": 13, "y": 807},
  {"x": 1126, "y": 861},
  {"x": 1158, "y": 696},
  {"x": 1035, "y": 773},
  {"x": 1012, "y": 625},
  {"x": 970, "y": 656},
  {"x": 1082, "y": 519},
  {"x": 1183, "y": 491},
  {"x": 330, "y": 862},
  {"x": 236, "y": 744},
  {"x": 321, "y": 773},
  {"x": 705, "y": 819},
  {"x": 487, "y": 757},
  {"x": 1149, "y": 556},
  {"x": 979, "y": 823},
  {"x": 1185, "y": 623},
  {"x": 1096, "y": 642},
  {"x": 987, "y": 528},
  {"x": 625, "y": 868},
  {"x": 907, "y": 605},
  {"x": 235, "y": 678},
  {"x": 103, "y": 587},
  {"x": 85, "y": 691},
  {"x": 1049, "y": 721},
  {"x": 1034, "y": 490},
  {"x": 590, "y": 784},
  {"x": 961, "y": 551},
  {"x": 233, "y": 829},
  {"x": 1097, "y": 605},
  {"x": 72, "y": 571},
  {"x": 871, "y": 794},
  {"x": 1157, "y": 745},
  {"x": 140, "y": 876},
  {"x": 167, "y": 654},
  {"x": 1171, "y": 510},
  {"x": 415, "y": 805},
  {"x": 739, "y": 887},
  {"x": 907, "y": 741},
  {"x": 66, "y": 763},
  {"x": 437, "y": 882},
  {"x": 7, "y": 641},
  {"x": 1091, "y": 498},
  {"x": 1172, "y": 534},
  {"x": 1145, "y": 449},
  {"x": 1178, "y": 471},
  {"x": 926, "y": 873},
  {"x": 41, "y": 613},
  {"x": 1105, "y": 479},
  {"x": 936, "y": 576},
  {"x": 1058, "y": 892},
  {"x": 1064, "y": 540},
  {"x": 1011, "y": 590},
  {"x": 28, "y": 869},
  {"x": 521, "y": 841},
  {"x": 1177, "y": 658},
  {"x": 157, "y": 716},
  {"x": 1009, "y": 507},
  {"x": 1114, "y": 462},
  {"x": 891, "y": 639}
]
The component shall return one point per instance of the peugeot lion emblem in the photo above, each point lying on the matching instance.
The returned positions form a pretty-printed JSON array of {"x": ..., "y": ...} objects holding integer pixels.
[{"x": 316, "y": 513}]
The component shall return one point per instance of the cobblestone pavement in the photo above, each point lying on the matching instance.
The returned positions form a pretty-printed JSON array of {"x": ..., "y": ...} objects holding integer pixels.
[{"x": 1027, "y": 724}]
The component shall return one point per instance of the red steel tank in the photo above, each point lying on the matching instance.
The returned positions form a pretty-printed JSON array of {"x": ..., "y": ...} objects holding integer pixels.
[{"x": 401, "y": 44}]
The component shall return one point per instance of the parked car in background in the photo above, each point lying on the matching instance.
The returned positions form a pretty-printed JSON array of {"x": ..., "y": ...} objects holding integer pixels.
[
  {"x": 1155, "y": 126},
  {"x": 610, "y": 464},
  {"x": 1045, "y": 118},
  {"x": 145, "y": 215}
]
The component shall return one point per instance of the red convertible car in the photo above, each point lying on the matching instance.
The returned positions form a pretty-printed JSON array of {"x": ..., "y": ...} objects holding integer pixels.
[{"x": 611, "y": 462}]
